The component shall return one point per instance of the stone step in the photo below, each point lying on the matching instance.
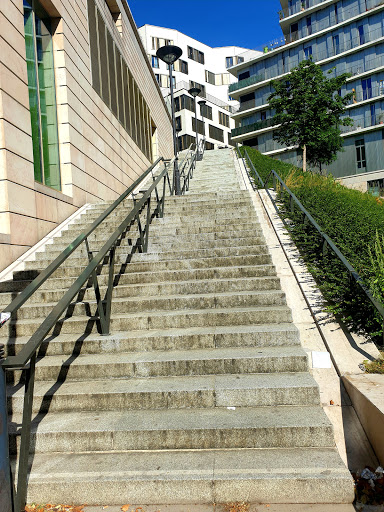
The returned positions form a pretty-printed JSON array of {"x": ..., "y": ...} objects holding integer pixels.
[
  {"x": 159, "y": 289},
  {"x": 239, "y": 230},
  {"x": 63, "y": 281},
  {"x": 152, "y": 255},
  {"x": 253, "y": 390},
  {"x": 175, "y": 264},
  {"x": 305, "y": 475},
  {"x": 232, "y": 216},
  {"x": 218, "y": 361},
  {"x": 170, "y": 243},
  {"x": 181, "y": 429},
  {"x": 158, "y": 320},
  {"x": 167, "y": 340},
  {"x": 182, "y": 236},
  {"x": 126, "y": 304}
]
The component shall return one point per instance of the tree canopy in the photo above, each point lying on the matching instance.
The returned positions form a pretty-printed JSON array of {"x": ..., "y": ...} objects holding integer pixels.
[{"x": 308, "y": 108}]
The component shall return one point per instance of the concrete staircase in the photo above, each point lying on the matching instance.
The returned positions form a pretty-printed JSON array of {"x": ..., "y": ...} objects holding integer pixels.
[{"x": 201, "y": 393}]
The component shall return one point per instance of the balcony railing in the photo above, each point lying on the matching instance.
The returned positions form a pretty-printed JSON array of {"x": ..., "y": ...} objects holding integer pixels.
[
  {"x": 311, "y": 30},
  {"x": 365, "y": 65},
  {"x": 300, "y": 7},
  {"x": 211, "y": 99},
  {"x": 305, "y": 5},
  {"x": 368, "y": 37},
  {"x": 364, "y": 122},
  {"x": 254, "y": 79},
  {"x": 253, "y": 127},
  {"x": 376, "y": 91}
]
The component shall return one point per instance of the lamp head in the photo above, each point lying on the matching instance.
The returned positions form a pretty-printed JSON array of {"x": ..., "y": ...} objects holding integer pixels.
[
  {"x": 202, "y": 102},
  {"x": 169, "y": 53},
  {"x": 195, "y": 91}
]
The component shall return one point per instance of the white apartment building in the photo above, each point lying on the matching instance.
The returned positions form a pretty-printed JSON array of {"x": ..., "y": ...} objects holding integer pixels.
[{"x": 199, "y": 66}]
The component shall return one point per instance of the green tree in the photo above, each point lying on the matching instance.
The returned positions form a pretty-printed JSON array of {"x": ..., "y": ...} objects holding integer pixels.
[{"x": 308, "y": 109}]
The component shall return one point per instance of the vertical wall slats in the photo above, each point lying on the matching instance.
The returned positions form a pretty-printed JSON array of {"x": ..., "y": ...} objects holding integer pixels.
[{"x": 113, "y": 81}]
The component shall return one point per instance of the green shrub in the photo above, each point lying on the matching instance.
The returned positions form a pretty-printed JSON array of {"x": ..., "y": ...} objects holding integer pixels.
[{"x": 353, "y": 220}]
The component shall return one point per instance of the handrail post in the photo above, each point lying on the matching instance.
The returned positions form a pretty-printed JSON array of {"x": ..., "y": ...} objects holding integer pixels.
[
  {"x": 22, "y": 478},
  {"x": 5, "y": 470},
  {"x": 108, "y": 301}
]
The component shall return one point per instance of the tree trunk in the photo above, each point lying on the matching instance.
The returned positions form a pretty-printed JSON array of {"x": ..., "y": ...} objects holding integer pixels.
[{"x": 304, "y": 158}]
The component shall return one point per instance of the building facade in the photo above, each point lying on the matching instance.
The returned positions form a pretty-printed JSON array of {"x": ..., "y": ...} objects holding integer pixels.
[
  {"x": 199, "y": 66},
  {"x": 342, "y": 36},
  {"x": 81, "y": 115}
]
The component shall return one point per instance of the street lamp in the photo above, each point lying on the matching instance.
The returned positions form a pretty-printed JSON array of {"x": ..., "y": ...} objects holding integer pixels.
[
  {"x": 195, "y": 91},
  {"x": 169, "y": 54},
  {"x": 202, "y": 104}
]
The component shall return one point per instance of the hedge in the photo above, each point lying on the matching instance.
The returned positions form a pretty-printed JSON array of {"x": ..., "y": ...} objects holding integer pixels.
[{"x": 354, "y": 221}]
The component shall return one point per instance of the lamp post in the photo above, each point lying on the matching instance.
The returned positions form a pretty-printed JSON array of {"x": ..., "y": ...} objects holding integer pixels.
[
  {"x": 195, "y": 91},
  {"x": 169, "y": 54},
  {"x": 202, "y": 103}
]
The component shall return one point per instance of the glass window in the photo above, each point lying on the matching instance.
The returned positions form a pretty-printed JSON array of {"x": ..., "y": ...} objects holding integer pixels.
[
  {"x": 155, "y": 62},
  {"x": 228, "y": 62},
  {"x": 308, "y": 52},
  {"x": 42, "y": 94},
  {"x": 361, "y": 34},
  {"x": 360, "y": 154},
  {"x": 336, "y": 44},
  {"x": 366, "y": 84},
  {"x": 373, "y": 114},
  {"x": 223, "y": 119},
  {"x": 240, "y": 60},
  {"x": 309, "y": 25}
]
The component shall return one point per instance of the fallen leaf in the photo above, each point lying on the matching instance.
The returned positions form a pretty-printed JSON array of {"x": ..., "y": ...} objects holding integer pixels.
[
  {"x": 331, "y": 402},
  {"x": 125, "y": 508}
]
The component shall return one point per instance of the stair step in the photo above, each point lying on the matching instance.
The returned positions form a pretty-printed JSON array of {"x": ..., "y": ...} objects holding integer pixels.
[
  {"x": 305, "y": 475},
  {"x": 252, "y": 390},
  {"x": 232, "y": 360},
  {"x": 160, "y": 289},
  {"x": 164, "y": 303},
  {"x": 197, "y": 263},
  {"x": 159, "y": 320},
  {"x": 172, "y": 339},
  {"x": 60, "y": 282},
  {"x": 183, "y": 429}
]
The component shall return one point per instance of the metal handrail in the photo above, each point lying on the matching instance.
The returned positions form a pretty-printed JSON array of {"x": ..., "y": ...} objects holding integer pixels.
[
  {"x": 26, "y": 358},
  {"x": 52, "y": 267},
  {"x": 328, "y": 242}
]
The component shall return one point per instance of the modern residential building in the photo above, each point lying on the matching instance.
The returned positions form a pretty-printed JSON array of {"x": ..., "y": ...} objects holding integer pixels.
[
  {"x": 199, "y": 66},
  {"x": 341, "y": 36},
  {"x": 81, "y": 113}
]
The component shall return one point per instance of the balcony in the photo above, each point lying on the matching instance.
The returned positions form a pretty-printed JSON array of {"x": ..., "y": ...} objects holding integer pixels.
[
  {"x": 253, "y": 127},
  {"x": 211, "y": 99},
  {"x": 369, "y": 36},
  {"x": 305, "y": 5},
  {"x": 313, "y": 29},
  {"x": 366, "y": 121},
  {"x": 374, "y": 92},
  {"x": 254, "y": 79}
]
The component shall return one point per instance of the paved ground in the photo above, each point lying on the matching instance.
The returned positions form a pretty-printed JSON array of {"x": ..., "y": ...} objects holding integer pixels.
[{"x": 221, "y": 508}]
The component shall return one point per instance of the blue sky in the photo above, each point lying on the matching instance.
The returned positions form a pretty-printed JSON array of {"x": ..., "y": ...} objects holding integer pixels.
[{"x": 247, "y": 23}]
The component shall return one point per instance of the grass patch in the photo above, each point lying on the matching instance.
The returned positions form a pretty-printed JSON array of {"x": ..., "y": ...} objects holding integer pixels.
[{"x": 376, "y": 366}]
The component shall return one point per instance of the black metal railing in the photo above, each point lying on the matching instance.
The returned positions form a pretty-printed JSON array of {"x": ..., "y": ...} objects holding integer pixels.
[
  {"x": 147, "y": 204},
  {"x": 327, "y": 241}
]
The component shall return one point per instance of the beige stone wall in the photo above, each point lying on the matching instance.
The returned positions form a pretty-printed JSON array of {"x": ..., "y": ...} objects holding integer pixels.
[{"x": 97, "y": 156}]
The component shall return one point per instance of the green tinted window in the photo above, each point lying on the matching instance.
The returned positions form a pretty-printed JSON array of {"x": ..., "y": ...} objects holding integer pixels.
[{"x": 42, "y": 96}]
